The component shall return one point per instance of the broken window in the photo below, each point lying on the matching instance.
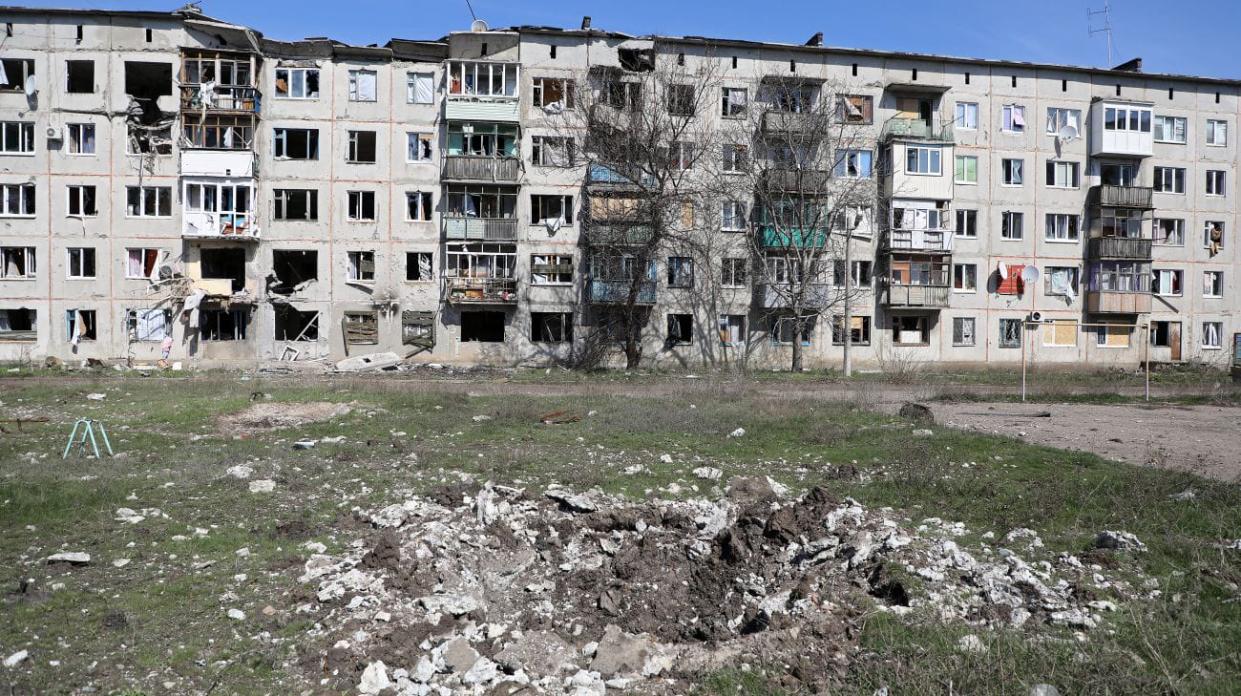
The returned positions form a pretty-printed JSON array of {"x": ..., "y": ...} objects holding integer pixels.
[
  {"x": 418, "y": 266},
  {"x": 223, "y": 324},
  {"x": 81, "y": 201},
  {"x": 361, "y": 328},
  {"x": 148, "y": 324},
  {"x": 855, "y": 108},
  {"x": 544, "y": 208},
  {"x": 680, "y": 329},
  {"x": 681, "y": 100},
  {"x": 625, "y": 96},
  {"x": 17, "y": 200},
  {"x": 148, "y": 81},
  {"x": 418, "y": 328},
  {"x": 963, "y": 331},
  {"x": 482, "y": 327},
  {"x": 297, "y": 83},
  {"x": 81, "y": 262},
  {"x": 296, "y": 143},
  {"x": 361, "y": 148},
  {"x": 18, "y": 325},
  {"x": 17, "y": 137},
  {"x": 551, "y": 327},
  {"x": 80, "y": 325},
  {"x": 732, "y": 216},
  {"x": 1212, "y": 283},
  {"x": 295, "y": 204},
  {"x": 1112, "y": 336},
  {"x": 148, "y": 201},
  {"x": 144, "y": 140},
  {"x": 553, "y": 93},
  {"x": 1212, "y": 334},
  {"x": 292, "y": 268},
  {"x": 1167, "y": 282},
  {"x": 81, "y": 138},
  {"x": 418, "y": 147},
  {"x": 734, "y": 102},
  {"x": 362, "y": 85},
  {"x": 483, "y": 139},
  {"x": 859, "y": 328},
  {"x": 418, "y": 205},
  {"x": 490, "y": 202},
  {"x": 480, "y": 261},
  {"x": 296, "y": 325},
  {"x": 482, "y": 79},
  {"x": 80, "y": 76},
  {"x": 732, "y": 329},
  {"x": 734, "y": 158},
  {"x": 680, "y": 272},
  {"x": 551, "y": 269},
  {"x": 636, "y": 59},
  {"x": 361, "y": 206},
  {"x": 219, "y": 132},
  {"x": 17, "y": 262},
  {"x": 420, "y": 88},
  {"x": 141, "y": 263},
  {"x": 1010, "y": 333},
  {"x": 225, "y": 264},
  {"x": 551, "y": 152},
  {"x": 13, "y": 73},
  {"x": 361, "y": 266}
]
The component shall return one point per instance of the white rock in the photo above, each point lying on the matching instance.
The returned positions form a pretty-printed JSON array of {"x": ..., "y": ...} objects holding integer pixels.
[
  {"x": 262, "y": 486},
  {"x": 16, "y": 658},
  {"x": 483, "y": 671},
  {"x": 374, "y": 678},
  {"x": 665, "y": 458},
  {"x": 128, "y": 515},
  {"x": 739, "y": 432},
  {"x": 71, "y": 557},
  {"x": 241, "y": 471},
  {"x": 922, "y": 432},
  {"x": 96, "y": 396},
  {"x": 120, "y": 562},
  {"x": 971, "y": 644},
  {"x": 304, "y": 444},
  {"x": 481, "y": 418},
  {"x": 1118, "y": 540},
  {"x": 708, "y": 473},
  {"x": 236, "y": 614}
]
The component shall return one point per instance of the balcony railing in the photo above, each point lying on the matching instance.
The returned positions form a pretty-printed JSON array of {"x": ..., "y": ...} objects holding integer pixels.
[
  {"x": 777, "y": 122},
  {"x": 481, "y": 229},
  {"x": 1119, "y": 248},
  {"x": 782, "y": 295},
  {"x": 928, "y": 240},
  {"x": 793, "y": 180},
  {"x": 480, "y": 290},
  {"x": 476, "y": 168},
  {"x": 1112, "y": 196},
  {"x": 786, "y": 238},
  {"x": 916, "y": 296},
  {"x": 617, "y": 291},
  {"x": 204, "y": 225},
  {"x": 1117, "y": 302},
  {"x": 618, "y": 235},
  {"x": 221, "y": 98},
  {"x": 915, "y": 128}
]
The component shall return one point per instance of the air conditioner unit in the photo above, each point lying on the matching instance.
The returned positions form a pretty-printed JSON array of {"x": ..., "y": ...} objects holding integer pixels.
[
  {"x": 1036, "y": 316},
  {"x": 55, "y": 131}
]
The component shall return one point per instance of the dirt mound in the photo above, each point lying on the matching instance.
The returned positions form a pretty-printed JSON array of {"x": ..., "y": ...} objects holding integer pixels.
[
  {"x": 283, "y": 414},
  {"x": 583, "y": 592}
]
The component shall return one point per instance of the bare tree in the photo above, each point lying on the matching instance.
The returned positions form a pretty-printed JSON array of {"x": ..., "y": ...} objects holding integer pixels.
[
  {"x": 804, "y": 161},
  {"x": 644, "y": 130}
]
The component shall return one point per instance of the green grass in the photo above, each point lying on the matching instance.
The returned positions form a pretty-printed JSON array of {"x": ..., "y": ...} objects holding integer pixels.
[{"x": 175, "y": 456}]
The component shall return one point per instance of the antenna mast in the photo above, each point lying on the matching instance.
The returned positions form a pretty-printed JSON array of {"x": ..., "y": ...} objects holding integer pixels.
[
  {"x": 471, "y": 8},
  {"x": 1106, "y": 28}
]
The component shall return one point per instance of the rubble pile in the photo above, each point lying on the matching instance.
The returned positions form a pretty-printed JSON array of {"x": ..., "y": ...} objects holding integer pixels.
[{"x": 492, "y": 589}]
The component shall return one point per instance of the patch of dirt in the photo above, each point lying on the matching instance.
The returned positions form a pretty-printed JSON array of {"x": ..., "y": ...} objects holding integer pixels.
[{"x": 267, "y": 415}]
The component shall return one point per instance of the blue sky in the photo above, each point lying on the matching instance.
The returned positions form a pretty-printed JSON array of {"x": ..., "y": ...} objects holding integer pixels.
[{"x": 1187, "y": 37}]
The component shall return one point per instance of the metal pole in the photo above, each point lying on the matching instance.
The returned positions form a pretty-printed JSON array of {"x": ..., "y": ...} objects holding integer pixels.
[
  {"x": 1024, "y": 341},
  {"x": 1147, "y": 360}
]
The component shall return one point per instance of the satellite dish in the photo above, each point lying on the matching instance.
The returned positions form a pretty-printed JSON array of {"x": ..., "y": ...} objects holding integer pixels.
[
  {"x": 30, "y": 86},
  {"x": 1030, "y": 275},
  {"x": 478, "y": 26},
  {"x": 1067, "y": 133},
  {"x": 1003, "y": 271}
]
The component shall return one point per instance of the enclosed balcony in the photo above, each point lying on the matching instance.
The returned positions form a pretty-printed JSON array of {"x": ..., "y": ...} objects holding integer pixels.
[
  {"x": 218, "y": 225},
  {"x": 1119, "y": 287},
  {"x": 1134, "y": 197},
  {"x": 482, "y": 91},
  {"x": 898, "y": 128},
  {"x": 916, "y": 282},
  {"x": 606, "y": 291},
  {"x": 480, "y": 229},
  {"x": 481, "y": 169},
  {"x": 1121, "y": 128},
  {"x": 493, "y": 291},
  {"x": 915, "y": 296},
  {"x": 931, "y": 241},
  {"x": 216, "y": 209},
  {"x": 219, "y": 82},
  {"x": 797, "y": 124},
  {"x": 925, "y": 228}
]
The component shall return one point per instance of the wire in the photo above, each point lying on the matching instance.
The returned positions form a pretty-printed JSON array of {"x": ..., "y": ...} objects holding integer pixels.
[{"x": 472, "y": 15}]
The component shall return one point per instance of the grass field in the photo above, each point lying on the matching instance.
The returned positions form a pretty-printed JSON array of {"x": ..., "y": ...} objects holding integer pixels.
[{"x": 159, "y": 623}]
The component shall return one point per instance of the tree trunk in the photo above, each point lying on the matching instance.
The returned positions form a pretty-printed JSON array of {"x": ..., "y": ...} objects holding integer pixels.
[{"x": 798, "y": 327}]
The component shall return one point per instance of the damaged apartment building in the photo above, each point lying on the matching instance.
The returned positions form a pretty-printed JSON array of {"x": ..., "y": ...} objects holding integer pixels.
[{"x": 176, "y": 187}]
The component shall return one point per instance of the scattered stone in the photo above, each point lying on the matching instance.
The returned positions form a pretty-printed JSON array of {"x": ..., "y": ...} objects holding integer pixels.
[
  {"x": 922, "y": 432},
  {"x": 621, "y": 653},
  {"x": 458, "y": 656},
  {"x": 1044, "y": 690},
  {"x": 1118, "y": 541},
  {"x": 16, "y": 658},
  {"x": 1184, "y": 496},
  {"x": 77, "y": 558},
  {"x": 120, "y": 562},
  {"x": 536, "y": 652},
  {"x": 96, "y": 396},
  {"x": 374, "y": 678},
  {"x": 708, "y": 473},
  {"x": 665, "y": 458},
  {"x": 739, "y": 432},
  {"x": 128, "y": 515},
  {"x": 971, "y": 644},
  {"x": 236, "y": 614},
  {"x": 480, "y": 418},
  {"x": 240, "y": 471},
  {"x": 305, "y": 444},
  {"x": 577, "y": 502},
  {"x": 262, "y": 486}
]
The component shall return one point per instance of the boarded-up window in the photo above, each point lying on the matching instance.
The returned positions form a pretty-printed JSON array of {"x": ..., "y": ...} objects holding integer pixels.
[
  {"x": 418, "y": 328},
  {"x": 361, "y": 328},
  {"x": 1062, "y": 332},
  {"x": 1113, "y": 336}
]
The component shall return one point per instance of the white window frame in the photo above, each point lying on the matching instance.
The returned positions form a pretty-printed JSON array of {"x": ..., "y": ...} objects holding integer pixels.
[
  {"x": 965, "y": 115},
  {"x": 1012, "y": 172},
  {"x": 1063, "y": 228},
  {"x": 1216, "y": 332},
  {"x": 1010, "y": 114},
  {"x": 160, "y": 192},
  {"x": 361, "y": 195},
  {"x": 422, "y": 197},
  {"x": 1006, "y": 344},
  {"x": 1206, "y": 233},
  {"x": 730, "y": 276},
  {"x": 141, "y": 252},
  {"x": 1165, "y": 287},
  {"x": 1062, "y": 169},
  {"x": 732, "y": 216},
  {"x": 27, "y": 196},
  {"x": 1163, "y": 176},
  {"x": 934, "y": 160},
  {"x": 968, "y": 338},
  {"x": 81, "y": 258},
  {"x": 354, "y": 260},
  {"x": 81, "y": 129},
  {"x": 355, "y": 85},
  {"x": 412, "y": 78},
  {"x": 1216, "y": 183},
  {"x": 1009, "y": 215},
  {"x": 1217, "y": 132},
  {"x": 553, "y": 279},
  {"x": 1173, "y": 123},
  {"x": 964, "y": 228},
  {"x": 289, "y": 82},
  {"x": 418, "y": 138},
  {"x": 1059, "y": 117},
  {"x": 80, "y": 191},
  {"x": 542, "y": 145},
  {"x": 1207, "y": 290},
  {"x": 25, "y": 138},
  {"x": 1178, "y": 226},
  {"x": 958, "y": 165},
  {"x": 969, "y": 278},
  {"x": 1076, "y": 283},
  {"x": 30, "y": 264}
]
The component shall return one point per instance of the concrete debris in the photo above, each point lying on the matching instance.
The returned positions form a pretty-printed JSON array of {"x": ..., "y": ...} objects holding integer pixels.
[
  {"x": 1184, "y": 496},
  {"x": 1118, "y": 541},
  {"x": 262, "y": 486},
  {"x": 374, "y": 678},
  {"x": 96, "y": 397},
  {"x": 708, "y": 473},
  {"x": 665, "y": 458},
  {"x": 78, "y": 558},
  {"x": 739, "y": 432},
  {"x": 485, "y": 590},
  {"x": 305, "y": 444},
  {"x": 369, "y": 362},
  {"x": 481, "y": 418},
  {"x": 240, "y": 471},
  {"x": 922, "y": 432}
]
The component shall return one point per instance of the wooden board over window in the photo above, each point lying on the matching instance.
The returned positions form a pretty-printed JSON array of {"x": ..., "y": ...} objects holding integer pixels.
[
  {"x": 1062, "y": 332},
  {"x": 361, "y": 328},
  {"x": 418, "y": 328}
]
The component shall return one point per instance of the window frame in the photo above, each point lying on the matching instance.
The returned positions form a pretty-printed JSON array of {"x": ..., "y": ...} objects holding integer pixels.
[
  {"x": 1072, "y": 228},
  {"x": 1217, "y": 286},
  {"x": 362, "y": 195},
  {"x": 81, "y": 263},
  {"x": 425, "y": 207},
  {"x": 289, "y": 82},
  {"x": 965, "y": 218},
  {"x": 80, "y": 190},
  {"x": 1179, "y": 227},
  {"x": 1174, "y": 120},
  {"x": 1009, "y": 115},
  {"x": 1215, "y": 127},
  {"x": 960, "y": 171},
  {"x": 958, "y": 329},
  {"x": 25, "y": 137},
  {"x": 1006, "y": 341},
  {"x": 961, "y": 115},
  {"x": 27, "y": 197},
  {"x": 1006, "y": 226},
  {"x": 1013, "y": 169},
  {"x": 1056, "y": 167},
  {"x": 1160, "y": 179},
  {"x": 935, "y": 157},
  {"x": 81, "y": 127},
  {"x": 411, "y": 86},
  {"x": 965, "y": 278},
  {"x": 355, "y": 86},
  {"x": 1219, "y": 335},
  {"x": 1216, "y": 183}
]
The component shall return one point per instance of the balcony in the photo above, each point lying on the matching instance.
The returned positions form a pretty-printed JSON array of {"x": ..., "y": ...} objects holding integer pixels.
[
  {"x": 501, "y": 109},
  {"x": 223, "y": 226},
  {"x": 915, "y": 296},
  {"x": 1133, "y": 197},
  {"x": 792, "y": 180},
  {"x": 916, "y": 129},
  {"x": 481, "y": 169},
  {"x": 221, "y": 99},
  {"x": 786, "y": 123},
  {"x": 618, "y": 235},
  {"x": 932, "y": 241},
  {"x": 235, "y": 164},
  {"x": 481, "y": 229},
  {"x": 779, "y": 296},
  {"x": 773, "y": 238},
  {"x": 1136, "y": 249},
  {"x": 1117, "y": 302},
  {"x": 494, "y": 291},
  {"x": 617, "y": 291}
]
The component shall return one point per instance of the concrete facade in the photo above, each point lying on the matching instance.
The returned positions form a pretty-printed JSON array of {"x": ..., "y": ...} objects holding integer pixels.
[{"x": 366, "y": 239}]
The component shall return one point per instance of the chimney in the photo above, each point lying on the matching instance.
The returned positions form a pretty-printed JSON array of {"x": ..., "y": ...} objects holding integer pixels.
[
  {"x": 585, "y": 22},
  {"x": 816, "y": 40}
]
